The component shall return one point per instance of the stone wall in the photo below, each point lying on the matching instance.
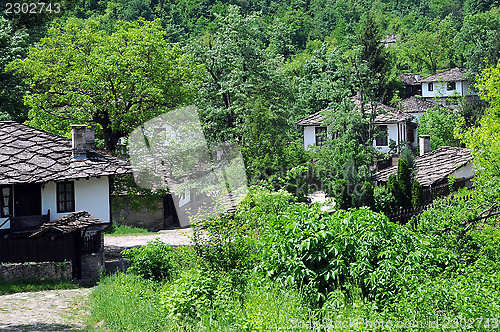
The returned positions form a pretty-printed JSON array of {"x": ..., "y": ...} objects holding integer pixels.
[
  {"x": 152, "y": 220},
  {"x": 43, "y": 270},
  {"x": 92, "y": 266}
]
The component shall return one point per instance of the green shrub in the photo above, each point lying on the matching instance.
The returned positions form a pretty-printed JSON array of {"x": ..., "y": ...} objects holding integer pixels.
[
  {"x": 195, "y": 293},
  {"x": 383, "y": 200},
  {"x": 340, "y": 194},
  {"x": 394, "y": 189},
  {"x": 417, "y": 194},
  {"x": 460, "y": 302},
  {"x": 153, "y": 261},
  {"x": 367, "y": 195},
  {"x": 404, "y": 180},
  {"x": 318, "y": 253}
]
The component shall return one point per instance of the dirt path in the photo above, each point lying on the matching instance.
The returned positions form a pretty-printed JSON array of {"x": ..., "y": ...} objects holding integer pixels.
[
  {"x": 65, "y": 310},
  {"x": 55, "y": 310},
  {"x": 175, "y": 237}
]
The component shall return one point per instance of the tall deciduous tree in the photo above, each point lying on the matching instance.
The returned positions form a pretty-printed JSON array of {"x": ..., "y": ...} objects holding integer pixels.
[
  {"x": 12, "y": 46},
  {"x": 119, "y": 80},
  {"x": 440, "y": 123},
  {"x": 478, "y": 41},
  {"x": 483, "y": 139}
]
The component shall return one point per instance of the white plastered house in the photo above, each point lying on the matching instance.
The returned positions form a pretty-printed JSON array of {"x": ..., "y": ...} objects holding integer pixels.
[
  {"x": 443, "y": 85},
  {"x": 397, "y": 125},
  {"x": 44, "y": 176}
]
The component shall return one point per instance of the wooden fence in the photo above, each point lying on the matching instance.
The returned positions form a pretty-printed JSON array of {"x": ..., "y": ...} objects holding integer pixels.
[
  {"x": 404, "y": 216},
  {"x": 62, "y": 248}
]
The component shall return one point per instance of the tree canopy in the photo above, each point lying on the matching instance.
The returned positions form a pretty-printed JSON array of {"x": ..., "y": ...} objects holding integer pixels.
[{"x": 80, "y": 73}]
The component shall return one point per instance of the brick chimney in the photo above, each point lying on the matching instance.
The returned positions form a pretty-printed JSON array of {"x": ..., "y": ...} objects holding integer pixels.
[
  {"x": 82, "y": 140},
  {"x": 424, "y": 142}
]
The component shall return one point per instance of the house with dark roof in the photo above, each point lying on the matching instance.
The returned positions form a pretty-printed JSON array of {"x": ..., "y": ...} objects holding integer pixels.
[
  {"x": 446, "y": 84},
  {"x": 412, "y": 84},
  {"x": 436, "y": 167},
  {"x": 44, "y": 177},
  {"x": 417, "y": 106},
  {"x": 396, "y": 125}
]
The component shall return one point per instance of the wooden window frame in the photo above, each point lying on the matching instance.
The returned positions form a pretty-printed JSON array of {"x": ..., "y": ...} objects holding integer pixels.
[
  {"x": 9, "y": 203},
  {"x": 320, "y": 135},
  {"x": 382, "y": 140},
  {"x": 68, "y": 205}
]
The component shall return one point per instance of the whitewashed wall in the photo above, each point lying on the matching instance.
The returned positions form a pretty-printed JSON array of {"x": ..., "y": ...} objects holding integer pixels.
[
  {"x": 392, "y": 133},
  {"x": 440, "y": 90},
  {"x": 309, "y": 136},
  {"x": 90, "y": 195}
]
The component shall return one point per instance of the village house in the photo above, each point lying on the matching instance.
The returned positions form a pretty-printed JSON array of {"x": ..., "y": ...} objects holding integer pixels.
[
  {"x": 435, "y": 168},
  {"x": 55, "y": 197},
  {"x": 443, "y": 87},
  {"x": 412, "y": 84},
  {"x": 417, "y": 106},
  {"x": 44, "y": 177},
  {"x": 397, "y": 126}
]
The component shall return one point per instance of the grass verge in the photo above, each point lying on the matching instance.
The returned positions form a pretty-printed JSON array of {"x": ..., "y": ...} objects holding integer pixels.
[
  {"x": 34, "y": 286},
  {"x": 123, "y": 230}
]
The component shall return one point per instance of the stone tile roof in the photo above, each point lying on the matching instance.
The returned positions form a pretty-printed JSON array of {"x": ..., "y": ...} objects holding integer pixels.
[
  {"x": 417, "y": 105},
  {"x": 315, "y": 119},
  {"x": 69, "y": 223},
  {"x": 385, "y": 114},
  {"x": 29, "y": 155},
  {"x": 452, "y": 75},
  {"x": 409, "y": 79},
  {"x": 434, "y": 166}
]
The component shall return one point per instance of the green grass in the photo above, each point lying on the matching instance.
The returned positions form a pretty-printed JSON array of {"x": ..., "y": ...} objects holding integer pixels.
[
  {"x": 34, "y": 286},
  {"x": 122, "y": 230}
]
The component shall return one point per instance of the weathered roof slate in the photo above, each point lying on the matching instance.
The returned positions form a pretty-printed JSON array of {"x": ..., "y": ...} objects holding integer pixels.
[
  {"x": 452, "y": 75},
  {"x": 385, "y": 114},
  {"x": 69, "y": 223},
  {"x": 29, "y": 155},
  {"x": 409, "y": 79},
  {"x": 418, "y": 105},
  {"x": 433, "y": 166}
]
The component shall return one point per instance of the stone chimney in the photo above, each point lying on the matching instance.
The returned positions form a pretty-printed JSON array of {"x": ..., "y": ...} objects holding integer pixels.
[
  {"x": 82, "y": 140},
  {"x": 424, "y": 142}
]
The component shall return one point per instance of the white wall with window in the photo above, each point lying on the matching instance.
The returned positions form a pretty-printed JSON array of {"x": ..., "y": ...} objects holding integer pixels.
[
  {"x": 444, "y": 89},
  {"x": 90, "y": 195}
]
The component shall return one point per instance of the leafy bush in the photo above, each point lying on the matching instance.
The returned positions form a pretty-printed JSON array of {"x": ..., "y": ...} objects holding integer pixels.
[
  {"x": 383, "y": 200},
  {"x": 319, "y": 253},
  {"x": 459, "y": 302},
  {"x": 153, "y": 261}
]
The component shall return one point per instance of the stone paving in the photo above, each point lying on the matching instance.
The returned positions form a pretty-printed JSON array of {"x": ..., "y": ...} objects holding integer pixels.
[{"x": 54, "y": 310}]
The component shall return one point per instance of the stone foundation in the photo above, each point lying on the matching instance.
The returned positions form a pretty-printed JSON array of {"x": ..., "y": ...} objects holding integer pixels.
[{"x": 42, "y": 270}]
